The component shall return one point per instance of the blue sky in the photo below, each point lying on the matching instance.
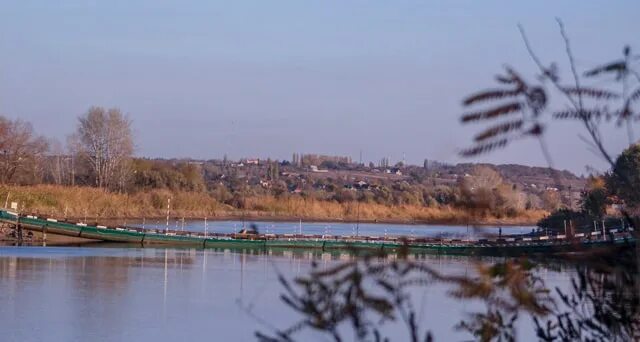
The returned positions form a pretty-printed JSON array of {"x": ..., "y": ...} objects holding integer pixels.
[{"x": 269, "y": 78}]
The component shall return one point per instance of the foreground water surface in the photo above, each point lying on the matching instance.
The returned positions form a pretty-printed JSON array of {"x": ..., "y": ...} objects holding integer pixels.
[{"x": 155, "y": 294}]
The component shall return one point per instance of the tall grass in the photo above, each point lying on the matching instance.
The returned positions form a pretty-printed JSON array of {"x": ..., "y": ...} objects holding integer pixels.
[{"x": 79, "y": 202}]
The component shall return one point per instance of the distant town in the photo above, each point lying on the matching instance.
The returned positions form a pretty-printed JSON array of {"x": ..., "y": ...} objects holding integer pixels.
[{"x": 340, "y": 178}]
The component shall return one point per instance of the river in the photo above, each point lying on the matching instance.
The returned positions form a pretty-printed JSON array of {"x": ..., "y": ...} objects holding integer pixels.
[{"x": 115, "y": 293}]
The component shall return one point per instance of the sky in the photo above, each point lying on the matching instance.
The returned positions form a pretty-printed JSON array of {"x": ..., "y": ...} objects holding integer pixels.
[{"x": 204, "y": 78}]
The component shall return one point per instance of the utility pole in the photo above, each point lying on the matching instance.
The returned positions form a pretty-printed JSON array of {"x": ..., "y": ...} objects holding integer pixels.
[
  {"x": 572, "y": 231},
  {"x": 357, "y": 218},
  {"x": 19, "y": 227},
  {"x": 166, "y": 230}
]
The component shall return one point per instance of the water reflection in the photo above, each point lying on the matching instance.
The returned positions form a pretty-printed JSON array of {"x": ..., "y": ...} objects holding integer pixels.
[{"x": 115, "y": 294}]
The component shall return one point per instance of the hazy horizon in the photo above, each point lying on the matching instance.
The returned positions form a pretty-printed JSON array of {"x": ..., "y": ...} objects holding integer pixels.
[{"x": 203, "y": 79}]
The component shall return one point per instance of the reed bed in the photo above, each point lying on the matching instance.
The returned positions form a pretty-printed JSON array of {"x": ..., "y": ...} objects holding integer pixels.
[{"x": 81, "y": 202}]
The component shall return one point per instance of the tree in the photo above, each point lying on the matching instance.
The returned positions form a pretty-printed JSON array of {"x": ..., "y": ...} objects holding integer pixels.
[
  {"x": 483, "y": 177},
  {"x": 194, "y": 180},
  {"x": 550, "y": 200},
  {"x": 273, "y": 170},
  {"x": 478, "y": 190},
  {"x": 106, "y": 144},
  {"x": 624, "y": 180},
  {"x": 21, "y": 151},
  {"x": 594, "y": 199}
]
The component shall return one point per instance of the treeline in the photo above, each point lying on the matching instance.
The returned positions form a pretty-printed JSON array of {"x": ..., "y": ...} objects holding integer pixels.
[{"x": 99, "y": 152}]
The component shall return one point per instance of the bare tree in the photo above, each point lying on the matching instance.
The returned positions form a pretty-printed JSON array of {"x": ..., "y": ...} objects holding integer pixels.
[
  {"x": 483, "y": 177},
  {"x": 106, "y": 143},
  {"x": 21, "y": 151}
]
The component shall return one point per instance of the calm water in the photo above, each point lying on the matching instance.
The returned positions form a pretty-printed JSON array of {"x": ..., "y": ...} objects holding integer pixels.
[
  {"x": 332, "y": 228},
  {"x": 135, "y": 294}
]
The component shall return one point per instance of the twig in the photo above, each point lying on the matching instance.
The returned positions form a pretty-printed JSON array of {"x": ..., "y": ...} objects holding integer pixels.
[
  {"x": 572, "y": 63},
  {"x": 591, "y": 129}
]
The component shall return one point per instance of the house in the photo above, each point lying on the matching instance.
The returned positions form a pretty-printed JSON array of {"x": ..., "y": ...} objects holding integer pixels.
[
  {"x": 253, "y": 161},
  {"x": 396, "y": 171},
  {"x": 265, "y": 184},
  {"x": 361, "y": 185},
  {"x": 315, "y": 169}
]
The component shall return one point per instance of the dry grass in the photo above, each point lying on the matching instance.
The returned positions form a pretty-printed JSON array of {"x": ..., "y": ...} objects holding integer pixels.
[
  {"x": 296, "y": 207},
  {"x": 94, "y": 203}
]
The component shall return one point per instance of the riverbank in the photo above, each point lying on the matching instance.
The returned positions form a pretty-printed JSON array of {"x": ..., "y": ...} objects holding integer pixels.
[{"x": 91, "y": 204}]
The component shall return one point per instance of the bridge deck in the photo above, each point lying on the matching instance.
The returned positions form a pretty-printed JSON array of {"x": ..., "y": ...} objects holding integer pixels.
[{"x": 505, "y": 246}]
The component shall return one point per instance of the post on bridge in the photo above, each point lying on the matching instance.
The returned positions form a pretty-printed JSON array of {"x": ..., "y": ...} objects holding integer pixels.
[
  {"x": 44, "y": 235},
  {"x": 14, "y": 206}
]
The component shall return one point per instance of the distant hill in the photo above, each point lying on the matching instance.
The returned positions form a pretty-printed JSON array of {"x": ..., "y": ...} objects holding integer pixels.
[{"x": 527, "y": 176}]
